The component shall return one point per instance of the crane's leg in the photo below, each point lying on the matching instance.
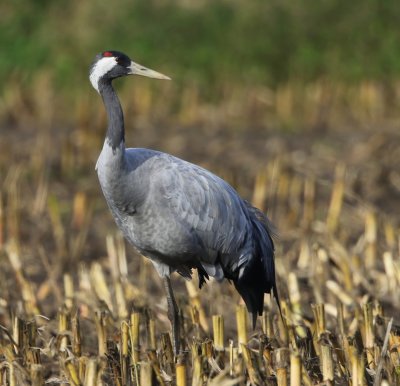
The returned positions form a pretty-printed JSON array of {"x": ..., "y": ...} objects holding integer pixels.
[{"x": 173, "y": 315}]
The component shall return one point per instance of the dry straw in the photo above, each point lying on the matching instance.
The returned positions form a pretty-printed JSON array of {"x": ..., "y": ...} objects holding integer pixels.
[{"x": 108, "y": 325}]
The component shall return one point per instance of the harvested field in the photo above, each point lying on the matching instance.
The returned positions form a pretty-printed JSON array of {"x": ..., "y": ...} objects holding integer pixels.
[{"x": 78, "y": 307}]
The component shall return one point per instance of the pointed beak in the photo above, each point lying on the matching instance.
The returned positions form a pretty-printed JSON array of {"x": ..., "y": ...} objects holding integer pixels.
[{"x": 138, "y": 69}]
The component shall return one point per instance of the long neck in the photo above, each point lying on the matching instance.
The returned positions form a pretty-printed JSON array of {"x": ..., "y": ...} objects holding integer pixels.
[{"x": 116, "y": 130}]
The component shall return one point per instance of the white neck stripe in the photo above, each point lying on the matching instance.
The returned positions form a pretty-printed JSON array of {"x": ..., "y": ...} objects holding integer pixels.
[{"x": 101, "y": 68}]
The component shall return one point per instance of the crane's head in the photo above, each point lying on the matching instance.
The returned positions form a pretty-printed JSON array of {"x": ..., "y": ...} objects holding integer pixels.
[{"x": 113, "y": 64}]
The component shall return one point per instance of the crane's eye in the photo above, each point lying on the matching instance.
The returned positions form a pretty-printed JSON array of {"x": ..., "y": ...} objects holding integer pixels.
[{"x": 122, "y": 61}]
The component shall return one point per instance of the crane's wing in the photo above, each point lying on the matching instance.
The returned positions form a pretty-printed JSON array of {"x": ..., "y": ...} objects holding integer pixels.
[
  {"x": 235, "y": 237},
  {"x": 197, "y": 220},
  {"x": 210, "y": 209}
]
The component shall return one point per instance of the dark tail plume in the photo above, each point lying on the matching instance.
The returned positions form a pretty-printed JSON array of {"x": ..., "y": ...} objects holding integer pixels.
[{"x": 259, "y": 273}]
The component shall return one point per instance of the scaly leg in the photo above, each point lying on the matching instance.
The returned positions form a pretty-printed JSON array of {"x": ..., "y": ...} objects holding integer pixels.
[{"x": 173, "y": 315}]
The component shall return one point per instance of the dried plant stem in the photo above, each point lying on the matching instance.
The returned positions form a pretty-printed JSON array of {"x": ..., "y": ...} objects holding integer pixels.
[
  {"x": 62, "y": 328},
  {"x": 91, "y": 373},
  {"x": 231, "y": 357},
  {"x": 309, "y": 202},
  {"x": 255, "y": 377},
  {"x": 180, "y": 372},
  {"x": 145, "y": 374},
  {"x": 260, "y": 189},
  {"x": 241, "y": 322},
  {"x": 82, "y": 365},
  {"x": 295, "y": 296},
  {"x": 335, "y": 205},
  {"x": 196, "y": 303},
  {"x": 319, "y": 315},
  {"x": 369, "y": 335},
  {"x": 166, "y": 347},
  {"x": 378, "y": 375},
  {"x": 121, "y": 301},
  {"x": 1, "y": 224},
  {"x": 72, "y": 372},
  {"x": 134, "y": 334},
  {"x": 150, "y": 331},
  {"x": 36, "y": 374},
  {"x": 100, "y": 319},
  {"x": 326, "y": 360},
  {"x": 18, "y": 332},
  {"x": 124, "y": 352},
  {"x": 76, "y": 335},
  {"x": 156, "y": 367},
  {"x": 370, "y": 239},
  {"x": 100, "y": 285},
  {"x": 28, "y": 294},
  {"x": 218, "y": 329},
  {"x": 390, "y": 235},
  {"x": 357, "y": 367},
  {"x": 12, "y": 376},
  {"x": 267, "y": 326},
  {"x": 295, "y": 369},
  {"x": 281, "y": 361},
  {"x": 197, "y": 370},
  {"x": 68, "y": 290}
]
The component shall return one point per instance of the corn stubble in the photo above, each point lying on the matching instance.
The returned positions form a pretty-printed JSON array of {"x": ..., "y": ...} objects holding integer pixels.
[{"x": 104, "y": 322}]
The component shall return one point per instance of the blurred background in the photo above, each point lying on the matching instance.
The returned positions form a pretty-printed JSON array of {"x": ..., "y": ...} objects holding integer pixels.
[
  {"x": 248, "y": 77},
  {"x": 288, "y": 100}
]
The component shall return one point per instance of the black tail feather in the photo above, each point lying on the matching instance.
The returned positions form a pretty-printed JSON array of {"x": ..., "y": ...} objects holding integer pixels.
[
  {"x": 258, "y": 276},
  {"x": 253, "y": 298}
]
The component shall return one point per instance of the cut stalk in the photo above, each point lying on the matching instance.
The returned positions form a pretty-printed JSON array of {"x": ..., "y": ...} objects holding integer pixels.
[
  {"x": 124, "y": 352},
  {"x": 72, "y": 372},
  {"x": 91, "y": 373},
  {"x": 369, "y": 339},
  {"x": 197, "y": 371},
  {"x": 134, "y": 334},
  {"x": 335, "y": 205},
  {"x": 180, "y": 372},
  {"x": 196, "y": 303},
  {"x": 100, "y": 319},
  {"x": 76, "y": 335},
  {"x": 166, "y": 347},
  {"x": 145, "y": 374},
  {"x": 100, "y": 285},
  {"x": 326, "y": 361},
  {"x": 241, "y": 322},
  {"x": 62, "y": 329},
  {"x": 218, "y": 329},
  {"x": 68, "y": 290},
  {"x": 370, "y": 239},
  {"x": 295, "y": 369},
  {"x": 156, "y": 366},
  {"x": 309, "y": 202},
  {"x": 254, "y": 374},
  {"x": 319, "y": 315},
  {"x": 281, "y": 363},
  {"x": 36, "y": 374},
  {"x": 151, "y": 331},
  {"x": 267, "y": 325}
]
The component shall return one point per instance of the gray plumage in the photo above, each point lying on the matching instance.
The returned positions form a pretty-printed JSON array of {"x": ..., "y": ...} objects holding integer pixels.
[{"x": 180, "y": 215}]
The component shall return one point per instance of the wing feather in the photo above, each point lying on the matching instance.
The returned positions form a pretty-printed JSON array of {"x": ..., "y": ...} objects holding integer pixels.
[{"x": 205, "y": 204}]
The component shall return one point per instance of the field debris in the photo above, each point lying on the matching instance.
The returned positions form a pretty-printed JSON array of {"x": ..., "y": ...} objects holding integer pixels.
[{"x": 338, "y": 276}]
